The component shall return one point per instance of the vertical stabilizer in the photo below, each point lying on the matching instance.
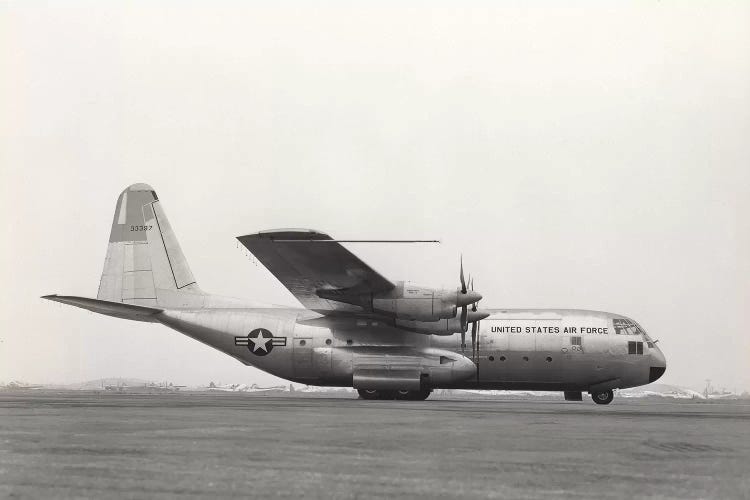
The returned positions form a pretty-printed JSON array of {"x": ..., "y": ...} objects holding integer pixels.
[{"x": 145, "y": 264}]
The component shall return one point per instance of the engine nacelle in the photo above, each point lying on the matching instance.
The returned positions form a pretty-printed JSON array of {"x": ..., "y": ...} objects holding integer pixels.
[
  {"x": 415, "y": 309},
  {"x": 416, "y": 303}
]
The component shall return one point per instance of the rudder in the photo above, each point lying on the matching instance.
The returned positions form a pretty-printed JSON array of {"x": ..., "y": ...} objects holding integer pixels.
[{"x": 144, "y": 263}]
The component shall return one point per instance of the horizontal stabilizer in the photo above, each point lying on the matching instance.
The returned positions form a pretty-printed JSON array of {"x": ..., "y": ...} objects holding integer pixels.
[{"x": 116, "y": 309}]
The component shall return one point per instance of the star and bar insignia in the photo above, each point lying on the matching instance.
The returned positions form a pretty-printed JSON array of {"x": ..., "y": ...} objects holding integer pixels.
[{"x": 260, "y": 341}]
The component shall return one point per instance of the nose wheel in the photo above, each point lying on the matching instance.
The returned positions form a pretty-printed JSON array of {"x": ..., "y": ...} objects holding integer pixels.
[{"x": 603, "y": 397}]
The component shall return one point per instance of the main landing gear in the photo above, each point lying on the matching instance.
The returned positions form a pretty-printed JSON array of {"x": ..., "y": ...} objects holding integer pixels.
[
  {"x": 603, "y": 397},
  {"x": 402, "y": 394}
]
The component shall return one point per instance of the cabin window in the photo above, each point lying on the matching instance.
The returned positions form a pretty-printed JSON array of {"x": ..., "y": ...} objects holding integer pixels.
[
  {"x": 491, "y": 358},
  {"x": 328, "y": 341}
]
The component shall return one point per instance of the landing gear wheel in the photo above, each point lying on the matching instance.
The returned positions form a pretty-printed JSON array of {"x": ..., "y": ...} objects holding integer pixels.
[
  {"x": 603, "y": 397},
  {"x": 387, "y": 395},
  {"x": 420, "y": 395},
  {"x": 368, "y": 393},
  {"x": 403, "y": 394},
  {"x": 376, "y": 394}
]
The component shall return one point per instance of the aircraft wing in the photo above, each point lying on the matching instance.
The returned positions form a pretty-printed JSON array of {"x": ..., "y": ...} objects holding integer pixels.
[{"x": 315, "y": 268}]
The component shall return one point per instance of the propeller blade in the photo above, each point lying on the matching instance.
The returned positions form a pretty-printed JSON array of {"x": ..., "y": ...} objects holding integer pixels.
[
  {"x": 473, "y": 341},
  {"x": 463, "y": 282},
  {"x": 464, "y": 317}
]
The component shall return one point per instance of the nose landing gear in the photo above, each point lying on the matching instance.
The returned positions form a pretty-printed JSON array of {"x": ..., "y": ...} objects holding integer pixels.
[{"x": 602, "y": 397}]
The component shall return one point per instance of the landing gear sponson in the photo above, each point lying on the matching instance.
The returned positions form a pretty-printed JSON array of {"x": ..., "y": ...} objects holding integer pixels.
[
  {"x": 599, "y": 397},
  {"x": 420, "y": 395}
]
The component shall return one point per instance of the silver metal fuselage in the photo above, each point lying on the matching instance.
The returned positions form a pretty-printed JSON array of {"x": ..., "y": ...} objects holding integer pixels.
[{"x": 568, "y": 350}]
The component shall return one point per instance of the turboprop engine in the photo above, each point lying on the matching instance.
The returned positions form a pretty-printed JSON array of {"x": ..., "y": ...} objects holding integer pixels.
[
  {"x": 416, "y": 303},
  {"x": 407, "y": 302}
]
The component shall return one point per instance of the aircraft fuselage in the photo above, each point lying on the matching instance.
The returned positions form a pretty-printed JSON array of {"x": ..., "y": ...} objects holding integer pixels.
[{"x": 564, "y": 350}]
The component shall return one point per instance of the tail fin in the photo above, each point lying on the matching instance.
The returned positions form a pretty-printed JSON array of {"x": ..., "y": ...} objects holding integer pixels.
[{"x": 144, "y": 264}]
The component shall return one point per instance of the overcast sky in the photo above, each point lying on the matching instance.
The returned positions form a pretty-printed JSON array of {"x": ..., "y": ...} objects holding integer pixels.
[{"x": 593, "y": 156}]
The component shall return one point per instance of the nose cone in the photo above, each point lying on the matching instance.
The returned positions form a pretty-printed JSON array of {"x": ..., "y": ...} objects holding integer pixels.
[
  {"x": 658, "y": 365},
  {"x": 464, "y": 299}
]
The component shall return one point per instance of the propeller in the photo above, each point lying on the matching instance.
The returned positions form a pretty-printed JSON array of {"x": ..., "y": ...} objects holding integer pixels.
[
  {"x": 464, "y": 312},
  {"x": 465, "y": 296}
]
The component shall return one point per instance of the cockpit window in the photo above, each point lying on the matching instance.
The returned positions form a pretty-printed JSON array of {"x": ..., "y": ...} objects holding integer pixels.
[{"x": 624, "y": 326}]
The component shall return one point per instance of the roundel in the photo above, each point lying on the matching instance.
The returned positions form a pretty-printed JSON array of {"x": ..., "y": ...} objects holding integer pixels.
[{"x": 260, "y": 341}]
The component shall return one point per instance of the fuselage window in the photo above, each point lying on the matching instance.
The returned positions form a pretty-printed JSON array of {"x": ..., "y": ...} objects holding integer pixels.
[
  {"x": 575, "y": 340},
  {"x": 635, "y": 347}
]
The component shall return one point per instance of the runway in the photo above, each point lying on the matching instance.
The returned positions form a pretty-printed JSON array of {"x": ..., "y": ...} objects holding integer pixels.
[{"x": 96, "y": 445}]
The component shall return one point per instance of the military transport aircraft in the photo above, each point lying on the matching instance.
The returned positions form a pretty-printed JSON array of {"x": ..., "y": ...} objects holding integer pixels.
[{"x": 388, "y": 340}]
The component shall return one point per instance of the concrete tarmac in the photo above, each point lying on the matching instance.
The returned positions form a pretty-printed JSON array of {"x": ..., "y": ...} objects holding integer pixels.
[{"x": 103, "y": 445}]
